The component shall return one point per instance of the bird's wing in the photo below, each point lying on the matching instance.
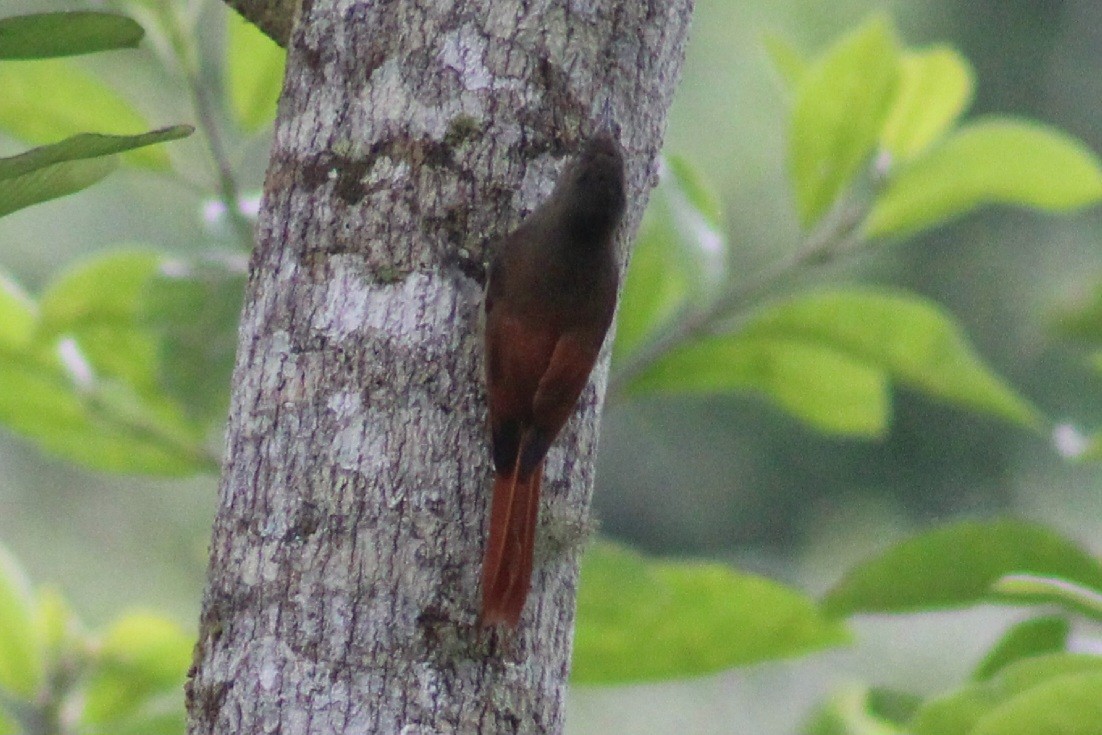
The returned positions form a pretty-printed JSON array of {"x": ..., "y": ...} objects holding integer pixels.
[{"x": 518, "y": 353}]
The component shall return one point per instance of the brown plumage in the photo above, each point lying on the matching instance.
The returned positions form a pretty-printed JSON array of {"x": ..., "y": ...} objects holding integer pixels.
[{"x": 549, "y": 302}]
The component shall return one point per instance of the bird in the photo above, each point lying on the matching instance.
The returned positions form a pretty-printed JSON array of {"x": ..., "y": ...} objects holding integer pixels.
[{"x": 550, "y": 298}]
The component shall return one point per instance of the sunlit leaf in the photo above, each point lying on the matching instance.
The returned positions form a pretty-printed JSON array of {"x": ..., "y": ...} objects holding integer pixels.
[
  {"x": 850, "y": 712},
  {"x": 21, "y": 654},
  {"x": 59, "y": 624},
  {"x": 641, "y": 619},
  {"x": 956, "y": 565},
  {"x": 254, "y": 68},
  {"x": 164, "y": 715},
  {"x": 1066, "y": 705},
  {"x": 839, "y": 110},
  {"x": 993, "y": 161},
  {"x": 1093, "y": 450},
  {"x": 656, "y": 287},
  {"x": 699, "y": 196},
  {"x": 44, "y": 101},
  {"x": 1031, "y": 637},
  {"x": 698, "y": 220},
  {"x": 788, "y": 62},
  {"x": 87, "y": 383},
  {"x": 44, "y": 35},
  {"x": 826, "y": 388},
  {"x": 959, "y": 712},
  {"x": 935, "y": 88},
  {"x": 913, "y": 340},
  {"x": 112, "y": 430},
  {"x": 1038, "y": 589},
  {"x": 7, "y": 724},
  {"x": 17, "y": 315},
  {"x": 680, "y": 257},
  {"x": 142, "y": 655},
  {"x": 98, "y": 301}
]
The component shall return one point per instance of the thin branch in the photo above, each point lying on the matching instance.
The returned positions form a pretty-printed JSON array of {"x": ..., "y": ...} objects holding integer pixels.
[
  {"x": 207, "y": 123},
  {"x": 837, "y": 234},
  {"x": 227, "y": 184}
]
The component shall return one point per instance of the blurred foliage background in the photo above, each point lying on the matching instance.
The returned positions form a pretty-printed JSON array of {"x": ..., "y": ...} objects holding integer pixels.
[{"x": 729, "y": 478}]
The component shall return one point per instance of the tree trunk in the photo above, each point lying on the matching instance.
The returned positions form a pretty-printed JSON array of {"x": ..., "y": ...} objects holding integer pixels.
[{"x": 343, "y": 584}]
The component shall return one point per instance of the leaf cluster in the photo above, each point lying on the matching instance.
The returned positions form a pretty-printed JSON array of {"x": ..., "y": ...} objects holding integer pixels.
[
  {"x": 122, "y": 363},
  {"x": 876, "y": 150},
  {"x": 56, "y": 676},
  {"x": 1032, "y": 680}
]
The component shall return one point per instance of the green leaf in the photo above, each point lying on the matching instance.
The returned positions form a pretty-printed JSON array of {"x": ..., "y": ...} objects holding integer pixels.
[
  {"x": 142, "y": 655},
  {"x": 656, "y": 287},
  {"x": 849, "y": 712},
  {"x": 958, "y": 712},
  {"x": 52, "y": 182},
  {"x": 98, "y": 301},
  {"x": 640, "y": 619},
  {"x": 1066, "y": 705},
  {"x": 47, "y": 100},
  {"x": 7, "y": 725},
  {"x": 1036, "y": 589},
  {"x": 699, "y": 197},
  {"x": 17, "y": 315},
  {"x": 935, "y": 88},
  {"x": 787, "y": 61},
  {"x": 993, "y": 161},
  {"x": 63, "y": 168},
  {"x": 913, "y": 340},
  {"x": 681, "y": 251},
  {"x": 1048, "y": 634},
  {"x": 61, "y": 628},
  {"x": 839, "y": 110},
  {"x": 1093, "y": 450},
  {"x": 109, "y": 430},
  {"x": 698, "y": 222},
  {"x": 44, "y": 35},
  {"x": 1081, "y": 319},
  {"x": 87, "y": 384},
  {"x": 21, "y": 654},
  {"x": 195, "y": 310},
  {"x": 893, "y": 705},
  {"x": 254, "y": 67},
  {"x": 164, "y": 715},
  {"x": 826, "y": 388},
  {"x": 86, "y": 145},
  {"x": 955, "y": 565},
  {"x": 106, "y": 286}
]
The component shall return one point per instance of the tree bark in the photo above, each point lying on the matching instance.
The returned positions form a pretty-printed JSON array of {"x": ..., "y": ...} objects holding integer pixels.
[{"x": 343, "y": 583}]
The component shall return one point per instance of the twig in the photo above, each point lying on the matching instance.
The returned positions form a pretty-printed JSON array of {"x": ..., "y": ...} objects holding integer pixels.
[
  {"x": 836, "y": 234},
  {"x": 207, "y": 123}
]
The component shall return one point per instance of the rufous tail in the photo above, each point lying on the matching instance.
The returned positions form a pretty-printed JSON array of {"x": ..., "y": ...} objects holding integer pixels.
[{"x": 507, "y": 566}]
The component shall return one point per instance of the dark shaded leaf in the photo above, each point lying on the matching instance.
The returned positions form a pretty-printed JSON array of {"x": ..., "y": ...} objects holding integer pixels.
[{"x": 45, "y": 35}]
